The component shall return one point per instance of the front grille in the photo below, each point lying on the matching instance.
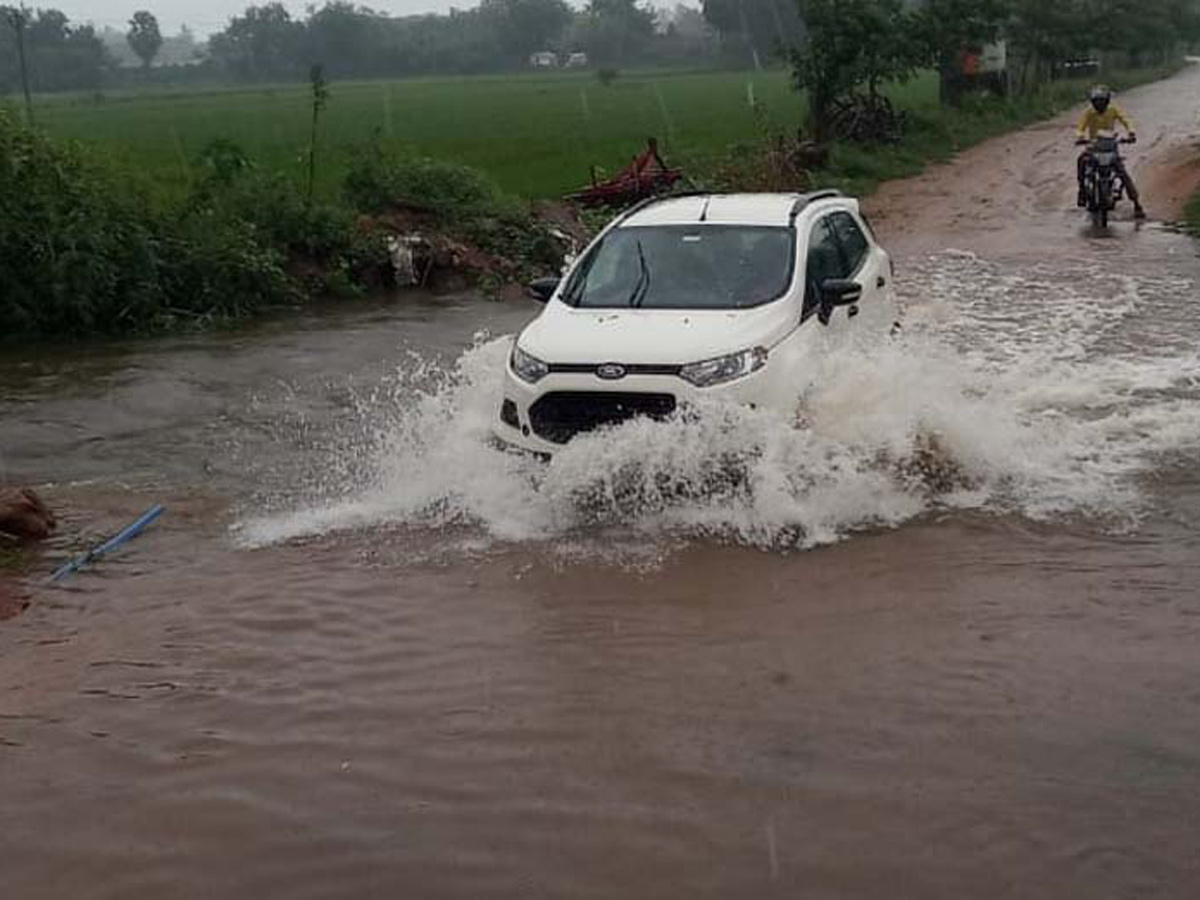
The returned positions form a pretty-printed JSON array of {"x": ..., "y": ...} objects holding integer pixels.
[
  {"x": 559, "y": 416},
  {"x": 630, "y": 369}
]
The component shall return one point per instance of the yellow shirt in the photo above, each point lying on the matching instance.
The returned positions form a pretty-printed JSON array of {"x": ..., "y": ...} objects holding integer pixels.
[{"x": 1094, "y": 122}]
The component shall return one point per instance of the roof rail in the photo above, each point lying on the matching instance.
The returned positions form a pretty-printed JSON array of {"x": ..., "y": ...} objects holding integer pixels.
[
  {"x": 655, "y": 198},
  {"x": 803, "y": 201}
]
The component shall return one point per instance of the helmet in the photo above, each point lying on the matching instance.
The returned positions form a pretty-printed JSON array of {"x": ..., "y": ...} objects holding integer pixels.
[{"x": 1101, "y": 97}]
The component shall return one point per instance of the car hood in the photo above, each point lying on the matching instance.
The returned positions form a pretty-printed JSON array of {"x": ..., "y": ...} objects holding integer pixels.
[{"x": 563, "y": 334}]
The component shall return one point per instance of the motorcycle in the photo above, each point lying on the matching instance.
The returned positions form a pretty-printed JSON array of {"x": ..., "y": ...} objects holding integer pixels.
[{"x": 1103, "y": 185}]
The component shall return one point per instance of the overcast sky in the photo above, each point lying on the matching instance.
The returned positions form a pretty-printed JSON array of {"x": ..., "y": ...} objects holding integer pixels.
[{"x": 207, "y": 16}]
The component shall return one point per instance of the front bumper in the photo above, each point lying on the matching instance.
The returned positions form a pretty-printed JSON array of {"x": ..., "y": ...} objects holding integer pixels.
[{"x": 539, "y": 417}]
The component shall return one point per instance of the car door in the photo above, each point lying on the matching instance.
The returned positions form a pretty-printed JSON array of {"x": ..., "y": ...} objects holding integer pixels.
[
  {"x": 825, "y": 261},
  {"x": 865, "y": 262}
]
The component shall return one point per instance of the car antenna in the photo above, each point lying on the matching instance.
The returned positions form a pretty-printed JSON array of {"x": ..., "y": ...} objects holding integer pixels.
[{"x": 704, "y": 212}]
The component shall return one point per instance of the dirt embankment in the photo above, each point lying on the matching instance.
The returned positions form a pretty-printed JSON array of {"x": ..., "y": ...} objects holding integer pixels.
[
  {"x": 1170, "y": 182},
  {"x": 497, "y": 255},
  {"x": 24, "y": 518},
  {"x": 13, "y": 599}
]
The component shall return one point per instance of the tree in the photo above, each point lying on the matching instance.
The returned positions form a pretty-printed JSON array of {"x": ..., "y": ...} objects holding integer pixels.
[
  {"x": 685, "y": 35},
  {"x": 526, "y": 26},
  {"x": 18, "y": 21},
  {"x": 144, "y": 37},
  {"x": 180, "y": 49},
  {"x": 615, "y": 31},
  {"x": 347, "y": 39},
  {"x": 690, "y": 23},
  {"x": 53, "y": 54},
  {"x": 1047, "y": 33},
  {"x": 263, "y": 42},
  {"x": 851, "y": 44},
  {"x": 945, "y": 28},
  {"x": 1144, "y": 29},
  {"x": 759, "y": 28}
]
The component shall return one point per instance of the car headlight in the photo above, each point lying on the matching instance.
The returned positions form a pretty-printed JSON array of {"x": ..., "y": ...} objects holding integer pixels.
[
  {"x": 725, "y": 368},
  {"x": 528, "y": 368}
]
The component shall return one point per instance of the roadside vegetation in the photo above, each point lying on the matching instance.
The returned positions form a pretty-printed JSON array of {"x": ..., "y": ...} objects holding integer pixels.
[
  {"x": 89, "y": 248},
  {"x": 851, "y": 47},
  {"x": 166, "y": 207},
  {"x": 932, "y": 132},
  {"x": 1192, "y": 216}
]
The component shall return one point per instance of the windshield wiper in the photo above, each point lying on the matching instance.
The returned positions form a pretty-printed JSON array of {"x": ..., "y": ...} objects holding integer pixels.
[{"x": 643, "y": 283}]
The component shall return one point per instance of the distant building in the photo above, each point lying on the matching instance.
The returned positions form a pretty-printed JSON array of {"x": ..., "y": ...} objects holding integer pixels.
[{"x": 543, "y": 60}]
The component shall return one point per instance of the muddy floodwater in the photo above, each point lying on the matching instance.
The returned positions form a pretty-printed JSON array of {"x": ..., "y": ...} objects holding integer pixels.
[{"x": 941, "y": 641}]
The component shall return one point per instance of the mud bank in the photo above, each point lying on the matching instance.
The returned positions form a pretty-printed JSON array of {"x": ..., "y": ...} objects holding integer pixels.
[
  {"x": 13, "y": 598},
  {"x": 24, "y": 519}
]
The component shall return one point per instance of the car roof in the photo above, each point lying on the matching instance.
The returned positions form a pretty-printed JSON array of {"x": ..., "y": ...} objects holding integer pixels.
[{"x": 728, "y": 209}]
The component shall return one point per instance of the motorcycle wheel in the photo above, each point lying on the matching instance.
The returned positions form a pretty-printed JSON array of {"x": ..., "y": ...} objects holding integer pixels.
[{"x": 1104, "y": 202}]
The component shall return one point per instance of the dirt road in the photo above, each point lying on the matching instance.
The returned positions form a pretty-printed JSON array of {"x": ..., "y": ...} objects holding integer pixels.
[{"x": 1015, "y": 196}]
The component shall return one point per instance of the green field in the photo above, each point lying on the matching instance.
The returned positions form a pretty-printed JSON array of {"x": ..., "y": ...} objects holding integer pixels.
[{"x": 536, "y": 135}]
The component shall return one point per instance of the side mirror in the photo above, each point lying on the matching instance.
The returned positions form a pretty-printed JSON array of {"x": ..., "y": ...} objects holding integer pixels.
[
  {"x": 837, "y": 292},
  {"x": 840, "y": 292},
  {"x": 543, "y": 289}
]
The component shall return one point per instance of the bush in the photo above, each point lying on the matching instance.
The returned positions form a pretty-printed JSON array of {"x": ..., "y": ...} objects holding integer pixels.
[
  {"x": 378, "y": 182},
  {"x": 462, "y": 203},
  {"x": 319, "y": 237},
  {"x": 607, "y": 75},
  {"x": 218, "y": 270},
  {"x": 82, "y": 251},
  {"x": 72, "y": 250}
]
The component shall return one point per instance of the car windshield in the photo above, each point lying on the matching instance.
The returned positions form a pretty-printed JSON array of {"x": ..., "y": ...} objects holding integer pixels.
[{"x": 685, "y": 267}]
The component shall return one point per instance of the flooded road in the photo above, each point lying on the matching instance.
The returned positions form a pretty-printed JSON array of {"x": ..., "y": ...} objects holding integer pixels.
[{"x": 940, "y": 643}]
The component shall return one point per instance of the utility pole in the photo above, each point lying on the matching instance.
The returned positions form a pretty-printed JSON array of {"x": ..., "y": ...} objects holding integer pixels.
[
  {"x": 18, "y": 18},
  {"x": 747, "y": 36}
]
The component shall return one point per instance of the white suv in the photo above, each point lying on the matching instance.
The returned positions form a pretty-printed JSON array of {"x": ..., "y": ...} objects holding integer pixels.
[{"x": 728, "y": 296}]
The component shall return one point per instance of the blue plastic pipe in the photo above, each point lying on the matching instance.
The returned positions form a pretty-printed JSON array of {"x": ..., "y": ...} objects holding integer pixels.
[{"x": 147, "y": 518}]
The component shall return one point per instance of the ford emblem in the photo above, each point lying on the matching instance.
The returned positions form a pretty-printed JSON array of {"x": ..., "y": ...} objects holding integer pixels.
[{"x": 610, "y": 372}]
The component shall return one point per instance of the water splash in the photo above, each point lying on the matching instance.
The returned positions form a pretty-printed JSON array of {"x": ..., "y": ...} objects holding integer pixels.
[{"x": 1012, "y": 393}]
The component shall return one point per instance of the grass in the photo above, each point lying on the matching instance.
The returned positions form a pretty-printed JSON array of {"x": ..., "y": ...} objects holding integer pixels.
[
  {"x": 535, "y": 135},
  {"x": 1191, "y": 216}
]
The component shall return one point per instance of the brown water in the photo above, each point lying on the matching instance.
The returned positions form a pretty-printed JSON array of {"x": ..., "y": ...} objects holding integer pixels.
[{"x": 363, "y": 655}]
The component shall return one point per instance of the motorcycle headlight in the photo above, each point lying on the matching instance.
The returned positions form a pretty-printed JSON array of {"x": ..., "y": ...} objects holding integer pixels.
[
  {"x": 528, "y": 368},
  {"x": 725, "y": 368}
]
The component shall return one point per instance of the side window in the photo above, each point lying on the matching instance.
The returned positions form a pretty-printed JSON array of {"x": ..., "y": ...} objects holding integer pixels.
[
  {"x": 824, "y": 261},
  {"x": 854, "y": 243},
  {"x": 870, "y": 228}
]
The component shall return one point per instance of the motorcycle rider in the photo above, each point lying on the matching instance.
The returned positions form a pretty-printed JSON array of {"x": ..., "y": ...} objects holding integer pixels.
[{"x": 1103, "y": 115}]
